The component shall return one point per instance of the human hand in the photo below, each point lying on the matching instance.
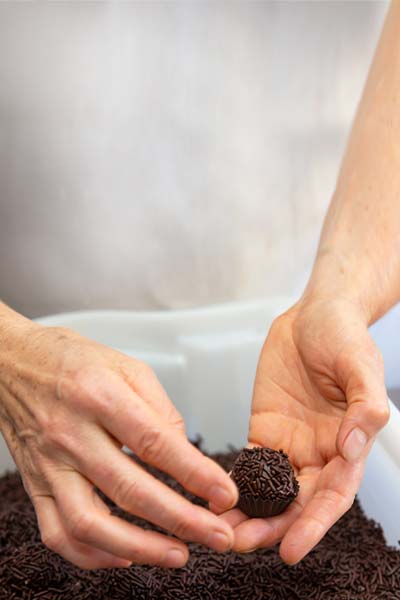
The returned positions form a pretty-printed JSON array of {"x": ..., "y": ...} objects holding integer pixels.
[
  {"x": 67, "y": 406},
  {"x": 319, "y": 394}
]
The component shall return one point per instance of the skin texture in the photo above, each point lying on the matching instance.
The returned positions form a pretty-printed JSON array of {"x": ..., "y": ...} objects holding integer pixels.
[
  {"x": 67, "y": 407},
  {"x": 319, "y": 392}
]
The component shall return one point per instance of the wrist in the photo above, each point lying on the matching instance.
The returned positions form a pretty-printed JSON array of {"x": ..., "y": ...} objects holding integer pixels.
[
  {"x": 343, "y": 276},
  {"x": 14, "y": 328},
  {"x": 14, "y": 332}
]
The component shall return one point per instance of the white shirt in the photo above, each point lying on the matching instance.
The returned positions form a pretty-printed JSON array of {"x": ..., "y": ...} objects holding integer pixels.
[{"x": 169, "y": 154}]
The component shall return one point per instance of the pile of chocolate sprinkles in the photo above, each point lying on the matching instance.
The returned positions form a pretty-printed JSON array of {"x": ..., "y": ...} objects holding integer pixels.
[
  {"x": 265, "y": 480},
  {"x": 352, "y": 562}
]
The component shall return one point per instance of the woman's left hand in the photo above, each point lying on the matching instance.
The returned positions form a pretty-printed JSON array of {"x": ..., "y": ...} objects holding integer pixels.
[{"x": 319, "y": 395}]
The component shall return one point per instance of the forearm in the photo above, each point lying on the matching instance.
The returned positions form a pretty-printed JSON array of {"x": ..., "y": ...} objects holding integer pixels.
[
  {"x": 359, "y": 251},
  {"x": 14, "y": 333},
  {"x": 13, "y": 327}
]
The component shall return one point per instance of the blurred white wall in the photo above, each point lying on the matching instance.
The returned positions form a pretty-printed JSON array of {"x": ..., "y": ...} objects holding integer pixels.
[{"x": 165, "y": 154}]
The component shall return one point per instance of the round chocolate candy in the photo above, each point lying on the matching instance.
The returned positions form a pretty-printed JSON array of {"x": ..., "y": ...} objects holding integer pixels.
[{"x": 265, "y": 480}]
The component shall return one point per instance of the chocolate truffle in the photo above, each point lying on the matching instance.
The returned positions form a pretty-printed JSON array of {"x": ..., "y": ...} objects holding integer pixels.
[{"x": 265, "y": 480}]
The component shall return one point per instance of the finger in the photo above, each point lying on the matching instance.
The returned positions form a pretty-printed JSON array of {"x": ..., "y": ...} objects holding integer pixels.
[
  {"x": 362, "y": 378},
  {"x": 334, "y": 495},
  {"x": 217, "y": 510},
  {"x": 87, "y": 520},
  {"x": 233, "y": 517},
  {"x": 264, "y": 533},
  {"x": 57, "y": 539},
  {"x": 294, "y": 434},
  {"x": 145, "y": 383},
  {"x": 139, "y": 493},
  {"x": 135, "y": 424}
]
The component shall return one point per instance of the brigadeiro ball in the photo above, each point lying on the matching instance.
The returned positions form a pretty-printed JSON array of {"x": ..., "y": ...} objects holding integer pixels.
[{"x": 265, "y": 480}]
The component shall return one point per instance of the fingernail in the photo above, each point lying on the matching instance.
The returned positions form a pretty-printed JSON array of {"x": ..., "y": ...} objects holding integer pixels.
[
  {"x": 219, "y": 541},
  {"x": 354, "y": 444},
  {"x": 174, "y": 558},
  {"x": 222, "y": 497}
]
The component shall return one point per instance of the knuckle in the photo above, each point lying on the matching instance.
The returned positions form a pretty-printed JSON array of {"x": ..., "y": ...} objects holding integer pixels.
[
  {"x": 124, "y": 493},
  {"x": 334, "y": 500},
  {"x": 86, "y": 565},
  {"x": 144, "y": 369},
  {"x": 175, "y": 420},
  {"x": 182, "y": 528},
  {"x": 66, "y": 387},
  {"x": 140, "y": 554},
  {"x": 57, "y": 435},
  {"x": 379, "y": 415},
  {"x": 317, "y": 523},
  {"x": 81, "y": 526},
  {"x": 142, "y": 373},
  {"x": 347, "y": 505},
  {"x": 35, "y": 470},
  {"x": 44, "y": 420},
  {"x": 60, "y": 332},
  {"x": 84, "y": 389},
  {"x": 52, "y": 432},
  {"x": 54, "y": 541},
  {"x": 150, "y": 444},
  {"x": 190, "y": 476},
  {"x": 151, "y": 556},
  {"x": 86, "y": 383}
]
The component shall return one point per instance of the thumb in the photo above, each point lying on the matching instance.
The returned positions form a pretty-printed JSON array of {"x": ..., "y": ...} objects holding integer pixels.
[{"x": 361, "y": 375}]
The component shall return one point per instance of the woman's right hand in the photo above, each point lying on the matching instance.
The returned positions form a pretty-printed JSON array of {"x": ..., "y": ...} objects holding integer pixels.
[{"x": 67, "y": 406}]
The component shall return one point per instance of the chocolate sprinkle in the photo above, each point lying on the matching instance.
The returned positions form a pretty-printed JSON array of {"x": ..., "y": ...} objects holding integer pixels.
[
  {"x": 265, "y": 480},
  {"x": 352, "y": 562}
]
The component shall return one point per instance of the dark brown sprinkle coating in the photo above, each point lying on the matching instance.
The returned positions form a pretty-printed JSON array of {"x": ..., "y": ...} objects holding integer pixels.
[
  {"x": 265, "y": 480},
  {"x": 352, "y": 562}
]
